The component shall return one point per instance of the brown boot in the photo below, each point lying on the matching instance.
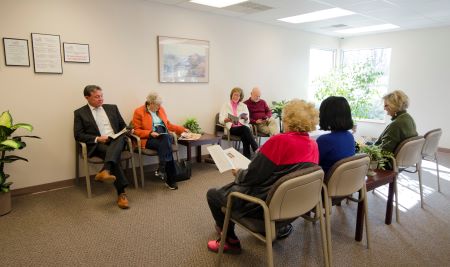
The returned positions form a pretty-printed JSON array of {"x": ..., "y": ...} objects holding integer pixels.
[
  {"x": 105, "y": 176},
  {"x": 122, "y": 201}
]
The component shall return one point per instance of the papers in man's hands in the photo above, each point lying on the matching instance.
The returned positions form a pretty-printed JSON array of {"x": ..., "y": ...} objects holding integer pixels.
[
  {"x": 114, "y": 136},
  {"x": 233, "y": 118},
  {"x": 227, "y": 159}
]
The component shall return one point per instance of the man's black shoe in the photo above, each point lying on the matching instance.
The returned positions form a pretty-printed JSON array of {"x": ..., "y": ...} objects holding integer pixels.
[{"x": 284, "y": 231}]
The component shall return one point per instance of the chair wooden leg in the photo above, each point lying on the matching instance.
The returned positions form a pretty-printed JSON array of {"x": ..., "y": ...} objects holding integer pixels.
[
  {"x": 141, "y": 167},
  {"x": 437, "y": 170},
  {"x": 223, "y": 237},
  {"x": 133, "y": 167},
  {"x": 328, "y": 226},
  {"x": 88, "y": 180},
  {"x": 323, "y": 234},
  {"x": 366, "y": 214},
  {"x": 396, "y": 200},
  {"x": 268, "y": 229},
  {"x": 419, "y": 173}
]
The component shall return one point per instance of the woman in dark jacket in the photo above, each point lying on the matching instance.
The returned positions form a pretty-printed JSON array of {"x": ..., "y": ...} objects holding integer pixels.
[
  {"x": 402, "y": 126},
  {"x": 281, "y": 154}
]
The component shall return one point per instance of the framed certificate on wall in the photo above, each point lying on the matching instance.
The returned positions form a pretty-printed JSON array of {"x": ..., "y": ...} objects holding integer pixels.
[
  {"x": 46, "y": 53},
  {"x": 78, "y": 53},
  {"x": 16, "y": 52}
]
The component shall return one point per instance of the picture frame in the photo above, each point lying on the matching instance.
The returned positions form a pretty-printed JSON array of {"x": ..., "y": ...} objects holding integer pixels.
[
  {"x": 75, "y": 52},
  {"x": 16, "y": 52},
  {"x": 46, "y": 53},
  {"x": 183, "y": 60}
]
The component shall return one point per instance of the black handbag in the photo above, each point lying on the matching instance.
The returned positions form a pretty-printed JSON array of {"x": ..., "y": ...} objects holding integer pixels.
[{"x": 182, "y": 170}]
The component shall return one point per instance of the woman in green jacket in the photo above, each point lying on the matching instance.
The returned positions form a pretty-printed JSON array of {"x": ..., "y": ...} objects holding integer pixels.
[{"x": 402, "y": 126}]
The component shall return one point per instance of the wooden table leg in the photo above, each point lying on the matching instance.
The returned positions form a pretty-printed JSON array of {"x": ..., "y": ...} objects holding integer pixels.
[
  {"x": 389, "y": 206},
  {"x": 189, "y": 152},
  {"x": 199, "y": 153},
  {"x": 359, "y": 221}
]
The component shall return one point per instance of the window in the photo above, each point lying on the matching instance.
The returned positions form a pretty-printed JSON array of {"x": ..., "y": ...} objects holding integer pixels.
[
  {"x": 362, "y": 78},
  {"x": 321, "y": 62},
  {"x": 378, "y": 59}
]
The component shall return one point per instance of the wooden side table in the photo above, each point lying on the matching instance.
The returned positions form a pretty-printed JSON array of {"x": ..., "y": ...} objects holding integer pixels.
[
  {"x": 381, "y": 177},
  {"x": 203, "y": 140}
]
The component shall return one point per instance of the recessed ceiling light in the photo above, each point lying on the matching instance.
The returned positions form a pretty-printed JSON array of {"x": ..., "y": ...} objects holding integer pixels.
[
  {"x": 217, "y": 3},
  {"x": 369, "y": 28},
  {"x": 318, "y": 15}
]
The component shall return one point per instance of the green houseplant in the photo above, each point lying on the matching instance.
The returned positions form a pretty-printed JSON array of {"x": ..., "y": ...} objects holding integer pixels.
[
  {"x": 192, "y": 125},
  {"x": 378, "y": 158},
  {"x": 277, "y": 110},
  {"x": 9, "y": 143}
]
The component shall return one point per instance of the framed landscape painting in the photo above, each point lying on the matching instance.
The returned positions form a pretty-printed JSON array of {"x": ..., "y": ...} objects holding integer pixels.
[{"x": 183, "y": 60}]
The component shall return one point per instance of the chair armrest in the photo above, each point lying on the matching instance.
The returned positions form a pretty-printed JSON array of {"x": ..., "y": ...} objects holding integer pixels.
[
  {"x": 83, "y": 149},
  {"x": 248, "y": 198},
  {"x": 137, "y": 139},
  {"x": 254, "y": 130},
  {"x": 225, "y": 130},
  {"x": 129, "y": 144},
  {"x": 175, "y": 138}
]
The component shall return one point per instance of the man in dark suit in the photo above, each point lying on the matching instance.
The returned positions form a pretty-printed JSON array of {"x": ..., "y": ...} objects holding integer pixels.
[{"x": 93, "y": 124}]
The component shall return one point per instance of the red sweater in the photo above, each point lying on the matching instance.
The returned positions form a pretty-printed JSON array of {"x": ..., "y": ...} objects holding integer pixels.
[{"x": 258, "y": 110}]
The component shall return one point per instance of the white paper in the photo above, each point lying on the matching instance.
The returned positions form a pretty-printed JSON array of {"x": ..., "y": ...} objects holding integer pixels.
[{"x": 227, "y": 159}]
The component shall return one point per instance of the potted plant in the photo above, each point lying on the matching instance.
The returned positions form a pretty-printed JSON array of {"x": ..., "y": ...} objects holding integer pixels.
[
  {"x": 9, "y": 143},
  {"x": 378, "y": 158},
  {"x": 192, "y": 125},
  {"x": 277, "y": 109}
]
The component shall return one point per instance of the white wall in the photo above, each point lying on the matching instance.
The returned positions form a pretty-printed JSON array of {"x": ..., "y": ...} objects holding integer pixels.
[
  {"x": 122, "y": 40},
  {"x": 420, "y": 66}
]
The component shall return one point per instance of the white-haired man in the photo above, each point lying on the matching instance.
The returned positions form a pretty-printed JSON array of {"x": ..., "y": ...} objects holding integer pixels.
[{"x": 260, "y": 113}]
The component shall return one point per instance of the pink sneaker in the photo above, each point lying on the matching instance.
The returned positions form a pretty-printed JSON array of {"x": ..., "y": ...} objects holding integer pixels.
[{"x": 232, "y": 246}]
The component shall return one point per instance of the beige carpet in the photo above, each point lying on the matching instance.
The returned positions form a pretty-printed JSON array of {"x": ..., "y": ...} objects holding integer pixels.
[{"x": 171, "y": 228}]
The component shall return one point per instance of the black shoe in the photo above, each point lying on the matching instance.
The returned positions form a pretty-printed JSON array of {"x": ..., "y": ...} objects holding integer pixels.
[
  {"x": 284, "y": 231},
  {"x": 171, "y": 186}
]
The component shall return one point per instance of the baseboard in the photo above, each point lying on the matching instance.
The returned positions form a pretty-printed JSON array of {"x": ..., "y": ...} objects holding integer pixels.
[
  {"x": 42, "y": 187},
  {"x": 72, "y": 182},
  {"x": 444, "y": 150}
]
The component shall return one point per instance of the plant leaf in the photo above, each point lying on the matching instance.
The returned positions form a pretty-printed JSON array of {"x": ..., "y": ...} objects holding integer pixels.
[
  {"x": 13, "y": 144},
  {"x": 6, "y": 119},
  {"x": 25, "y": 126},
  {"x": 5, "y": 189},
  {"x": 12, "y": 158}
]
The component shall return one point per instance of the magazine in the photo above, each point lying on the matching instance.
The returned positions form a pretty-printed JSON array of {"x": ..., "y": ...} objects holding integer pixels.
[
  {"x": 233, "y": 118},
  {"x": 227, "y": 159},
  {"x": 114, "y": 136}
]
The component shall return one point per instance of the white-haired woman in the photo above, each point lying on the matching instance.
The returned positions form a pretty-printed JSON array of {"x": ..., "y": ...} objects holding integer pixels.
[
  {"x": 151, "y": 125},
  {"x": 402, "y": 126}
]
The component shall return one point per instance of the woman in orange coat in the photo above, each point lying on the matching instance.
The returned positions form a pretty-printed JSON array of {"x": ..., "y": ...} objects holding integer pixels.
[{"x": 152, "y": 126}]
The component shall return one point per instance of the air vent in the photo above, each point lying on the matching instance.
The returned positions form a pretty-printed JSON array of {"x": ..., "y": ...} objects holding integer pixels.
[{"x": 248, "y": 8}]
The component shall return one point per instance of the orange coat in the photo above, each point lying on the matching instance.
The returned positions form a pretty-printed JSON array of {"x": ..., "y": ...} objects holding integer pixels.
[{"x": 143, "y": 126}]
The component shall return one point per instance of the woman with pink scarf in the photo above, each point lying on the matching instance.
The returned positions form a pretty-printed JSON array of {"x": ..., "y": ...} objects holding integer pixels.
[{"x": 238, "y": 126}]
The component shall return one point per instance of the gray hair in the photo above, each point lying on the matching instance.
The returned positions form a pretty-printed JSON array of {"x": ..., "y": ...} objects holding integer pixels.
[{"x": 154, "y": 98}]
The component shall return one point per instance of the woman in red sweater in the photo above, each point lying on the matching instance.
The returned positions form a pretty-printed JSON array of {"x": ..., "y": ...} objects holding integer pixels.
[{"x": 281, "y": 154}]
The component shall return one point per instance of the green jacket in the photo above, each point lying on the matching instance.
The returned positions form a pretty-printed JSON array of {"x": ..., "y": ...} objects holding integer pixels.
[{"x": 402, "y": 127}]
